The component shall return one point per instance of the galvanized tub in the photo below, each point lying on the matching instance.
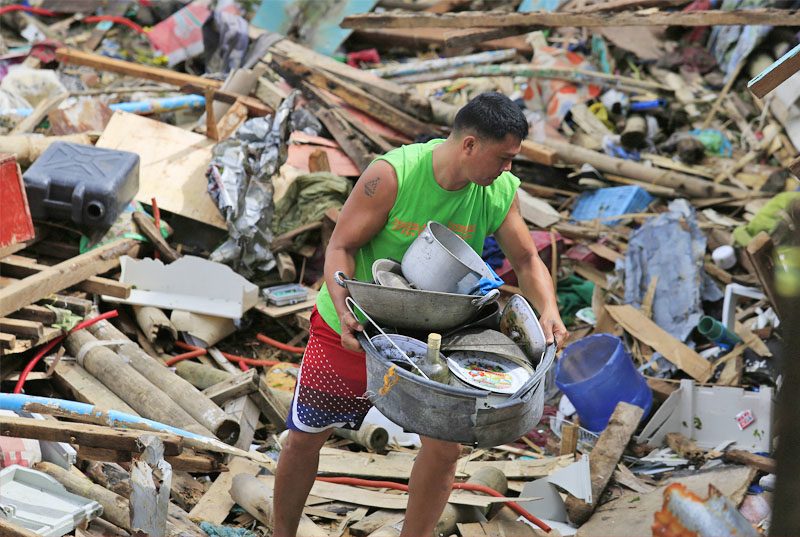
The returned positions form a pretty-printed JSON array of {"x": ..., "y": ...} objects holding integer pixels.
[{"x": 452, "y": 413}]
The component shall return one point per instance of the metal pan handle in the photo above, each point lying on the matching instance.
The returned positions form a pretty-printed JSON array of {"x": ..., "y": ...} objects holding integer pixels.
[
  {"x": 549, "y": 354},
  {"x": 489, "y": 298},
  {"x": 340, "y": 278}
]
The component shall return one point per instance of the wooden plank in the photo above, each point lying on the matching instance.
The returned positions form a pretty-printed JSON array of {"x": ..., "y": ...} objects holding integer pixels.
[
  {"x": 648, "y": 332},
  {"x": 7, "y": 341},
  {"x": 776, "y": 74},
  {"x": 631, "y": 515},
  {"x": 760, "y": 253},
  {"x": 53, "y": 279},
  {"x": 538, "y": 19},
  {"x": 21, "y": 327},
  {"x": 216, "y": 503},
  {"x": 83, "y": 434},
  {"x": 620, "y": 5},
  {"x": 398, "y": 465},
  {"x": 358, "y": 98},
  {"x": 172, "y": 165},
  {"x": 117, "y": 9},
  {"x": 376, "y": 520},
  {"x": 36, "y": 313},
  {"x": 24, "y": 267},
  {"x": 136, "y": 70},
  {"x": 81, "y": 386},
  {"x": 541, "y": 154},
  {"x": 233, "y": 387},
  {"x": 281, "y": 311}
]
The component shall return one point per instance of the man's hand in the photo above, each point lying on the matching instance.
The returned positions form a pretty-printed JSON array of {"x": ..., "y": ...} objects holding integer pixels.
[
  {"x": 350, "y": 326},
  {"x": 553, "y": 327}
]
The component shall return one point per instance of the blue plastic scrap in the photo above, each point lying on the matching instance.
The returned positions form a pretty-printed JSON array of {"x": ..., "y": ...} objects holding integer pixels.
[
  {"x": 670, "y": 247},
  {"x": 214, "y": 530},
  {"x": 608, "y": 202}
]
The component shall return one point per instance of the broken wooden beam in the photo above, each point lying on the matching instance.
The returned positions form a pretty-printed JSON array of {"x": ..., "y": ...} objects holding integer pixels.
[
  {"x": 136, "y": 70},
  {"x": 538, "y": 19},
  {"x": 65, "y": 274},
  {"x": 357, "y": 98},
  {"x": 649, "y": 333},
  {"x": 83, "y": 434},
  {"x": 604, "y": 458},
  {"x": 738, "y": 456}
]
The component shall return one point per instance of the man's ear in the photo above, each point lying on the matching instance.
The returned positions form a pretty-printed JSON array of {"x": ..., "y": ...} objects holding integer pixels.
[{"x": 469, "y": 144}]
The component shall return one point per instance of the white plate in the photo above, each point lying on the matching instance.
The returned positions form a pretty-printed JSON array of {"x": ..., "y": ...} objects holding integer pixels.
[{"x": 487, "y": 371}]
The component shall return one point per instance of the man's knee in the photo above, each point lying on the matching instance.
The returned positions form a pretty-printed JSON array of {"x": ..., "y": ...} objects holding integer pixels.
[
  {"x": 304, "y": 443},
  {"x": 446, "y": 452}
]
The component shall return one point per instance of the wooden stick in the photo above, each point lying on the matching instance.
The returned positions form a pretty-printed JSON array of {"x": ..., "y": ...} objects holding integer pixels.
[
  {"x": 158, "y": 74},
  {"x": 148, "y": 229},
  {"x": 29, "y": 123},
  {"x": 765, "y": 464},
  {"x": 691, "y": 186},
  {"x": 604, "y": 458},
  {"x": 537, "y": 19},
  {"x": 776, "y": 74},
  {"x": 22, "y": 267},
  {"x": 82, "y": 434},
  {"x": 620, "y": 5},
  {"x": 63, "y": 275}
]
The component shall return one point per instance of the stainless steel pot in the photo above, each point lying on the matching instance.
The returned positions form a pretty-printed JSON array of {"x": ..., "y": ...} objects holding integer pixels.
[
  {"x": 439, "y": 260},
  {"x": 414, "y": 309}
]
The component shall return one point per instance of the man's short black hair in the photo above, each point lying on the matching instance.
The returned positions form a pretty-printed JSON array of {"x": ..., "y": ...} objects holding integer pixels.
[{"x": 491, "y": 115}]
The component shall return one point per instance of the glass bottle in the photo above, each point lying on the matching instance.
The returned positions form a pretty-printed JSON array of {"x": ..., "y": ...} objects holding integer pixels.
[{"x": 434, "y": 366}]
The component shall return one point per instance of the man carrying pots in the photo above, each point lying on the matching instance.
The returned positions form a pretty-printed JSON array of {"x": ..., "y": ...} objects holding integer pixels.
[{"x": 463, "y": 182}]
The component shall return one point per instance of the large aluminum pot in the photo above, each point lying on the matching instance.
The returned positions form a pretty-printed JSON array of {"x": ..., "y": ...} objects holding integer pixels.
[
  {"x": 413, "y": 309},
  {"x": 439, "y": 260}
]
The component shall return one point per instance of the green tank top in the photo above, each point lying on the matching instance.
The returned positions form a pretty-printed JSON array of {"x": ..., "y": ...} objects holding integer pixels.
[{"x": 474, "y": 212}]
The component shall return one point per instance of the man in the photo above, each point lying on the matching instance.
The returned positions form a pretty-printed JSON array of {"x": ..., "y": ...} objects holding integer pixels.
[{"x": 463, "y": 182}]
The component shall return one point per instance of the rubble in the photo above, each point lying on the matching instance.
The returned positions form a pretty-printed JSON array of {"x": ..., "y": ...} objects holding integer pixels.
[{"x": 172, "y": 172}]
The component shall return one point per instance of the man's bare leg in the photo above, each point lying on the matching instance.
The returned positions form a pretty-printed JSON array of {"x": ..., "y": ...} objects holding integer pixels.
[
  {"x": 429, "y": 486},
  {"x": 297, "y": 469}
]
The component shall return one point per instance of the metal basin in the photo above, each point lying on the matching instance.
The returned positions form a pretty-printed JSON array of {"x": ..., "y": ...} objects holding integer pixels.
[
  {"x": 440, "y": 260},
  {"x": 484, "y": 340},
  {"x": 413, "y": 309}
]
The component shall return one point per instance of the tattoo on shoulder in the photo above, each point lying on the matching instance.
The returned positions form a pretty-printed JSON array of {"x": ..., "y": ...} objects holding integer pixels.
[{"x": 371, "y": 186}]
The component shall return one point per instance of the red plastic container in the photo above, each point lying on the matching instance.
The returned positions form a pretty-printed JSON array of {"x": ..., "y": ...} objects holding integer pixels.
[{"x": 15, "y": 217}]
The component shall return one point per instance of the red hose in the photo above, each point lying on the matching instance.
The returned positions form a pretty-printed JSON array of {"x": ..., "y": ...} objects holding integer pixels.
[
  {"x": 232, "y": 357},
  {"x": 185, "y": 356},
  {"x": 92, "y": 18},
  {"x": 29, "y": 9},
  {"x": 354, "y": 481},
  {"x": 44, "y": 350},
  {"x": 117, "y": 20},
  {"x": 278, "y": 345}
]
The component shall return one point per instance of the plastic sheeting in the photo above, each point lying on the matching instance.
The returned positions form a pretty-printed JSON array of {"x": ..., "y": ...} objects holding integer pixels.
[
  {"x": 240, "y": 181},
  {"x": 670, "y": 247}
]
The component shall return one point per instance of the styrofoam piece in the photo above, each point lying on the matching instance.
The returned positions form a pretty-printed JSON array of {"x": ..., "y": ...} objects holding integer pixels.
[
  {"x": 189, "y": 283},
  {"x": 210, "y": 329},
  {"x": 550, "y": 505},
  {"x": 707, "y": 415},
  {"x": 732, "y": 293},
  {"x": 575, "y": 479},
  {"x": 36, "y": 501}
]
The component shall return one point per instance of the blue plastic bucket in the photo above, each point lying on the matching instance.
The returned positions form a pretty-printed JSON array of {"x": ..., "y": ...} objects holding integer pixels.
[{"x": 596, "y": 373}]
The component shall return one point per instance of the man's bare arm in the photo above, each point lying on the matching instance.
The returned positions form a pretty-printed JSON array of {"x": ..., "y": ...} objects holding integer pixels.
[{"x": 364, "y": 214}]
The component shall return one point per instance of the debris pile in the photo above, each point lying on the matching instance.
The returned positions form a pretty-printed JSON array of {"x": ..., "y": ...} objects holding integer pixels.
[{"x": 172, "y": 172}]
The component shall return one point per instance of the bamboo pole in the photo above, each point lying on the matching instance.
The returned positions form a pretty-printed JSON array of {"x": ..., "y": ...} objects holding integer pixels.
[
  {"x": 130, "y": 385},
  {"x": 189, "y": 398}
]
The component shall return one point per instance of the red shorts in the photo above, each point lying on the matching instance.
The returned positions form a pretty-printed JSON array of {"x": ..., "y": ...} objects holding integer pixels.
[{"x": 331, "y": 383}]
